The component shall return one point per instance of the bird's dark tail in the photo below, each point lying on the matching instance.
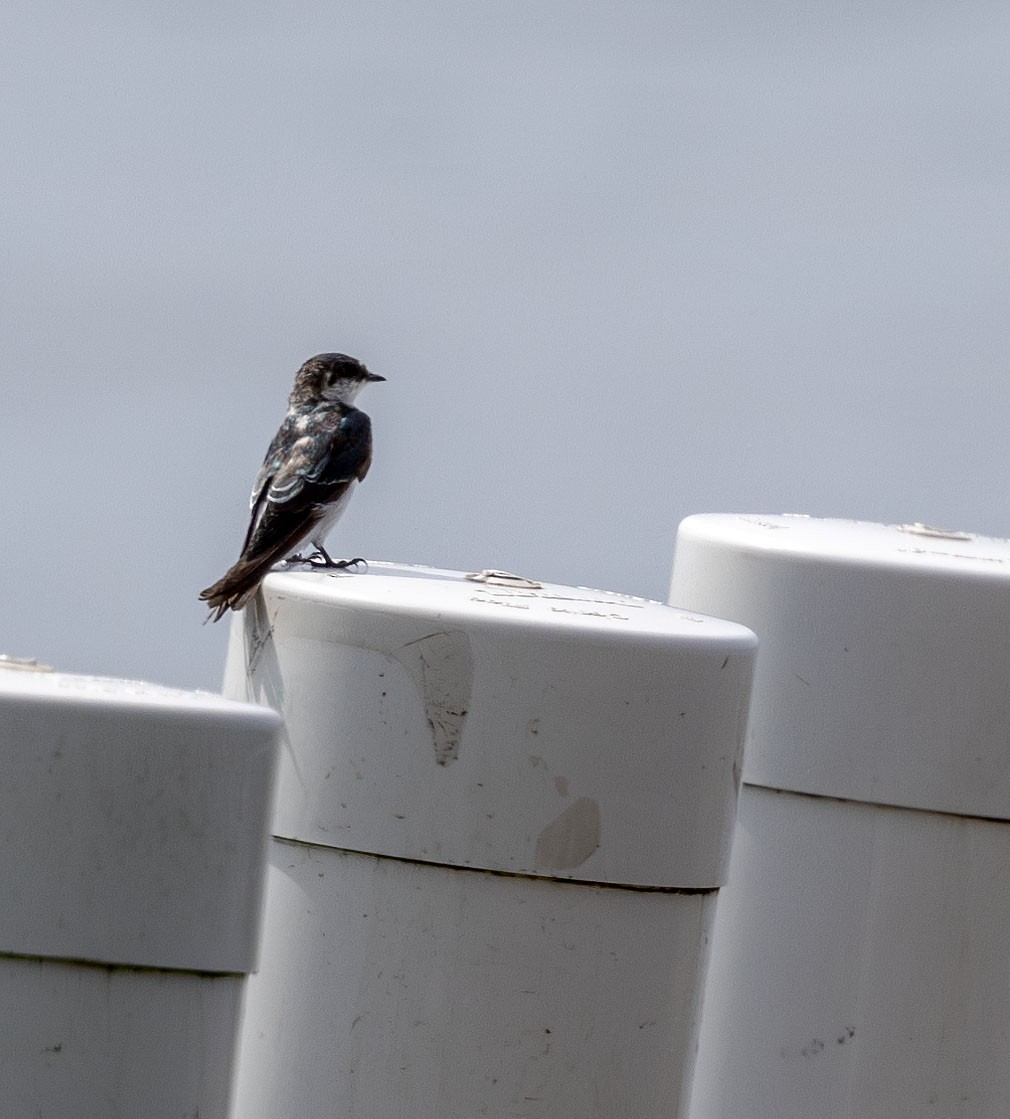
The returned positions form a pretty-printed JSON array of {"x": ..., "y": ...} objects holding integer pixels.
[{"x": 236, "y": 587}]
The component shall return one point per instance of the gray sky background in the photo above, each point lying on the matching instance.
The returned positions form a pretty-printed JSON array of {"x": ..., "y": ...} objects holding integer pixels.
[{"x": 620, "y": 263}]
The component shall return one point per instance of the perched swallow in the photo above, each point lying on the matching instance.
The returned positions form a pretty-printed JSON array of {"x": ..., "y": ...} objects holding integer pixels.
[{"x": 321, "y": 452}]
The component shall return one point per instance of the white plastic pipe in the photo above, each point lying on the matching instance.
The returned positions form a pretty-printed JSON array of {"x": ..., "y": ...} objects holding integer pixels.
[
  {"x": 504, "y": 812},
  {"x": 861, "y": 962},
  {"x": 132, "y": 839}
]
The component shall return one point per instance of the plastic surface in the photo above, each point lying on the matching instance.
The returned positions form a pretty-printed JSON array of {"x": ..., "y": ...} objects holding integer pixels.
[
  {"x": 133, "y": 822},
  {"x": 859, "y": 961},
  {"x": 476, "y": 771},
  {"x": 133, "y": 829},
  {"x": 407, "y": 991},
  {"x": 859, "y": 967},
  {"x": 882, "y": 675},
  {"x": 544, "y": 730},
  {"x": 84, "y": 1042}
]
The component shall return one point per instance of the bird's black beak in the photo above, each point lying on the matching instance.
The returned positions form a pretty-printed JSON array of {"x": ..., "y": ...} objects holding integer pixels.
[{"x": 375, "y": 377}]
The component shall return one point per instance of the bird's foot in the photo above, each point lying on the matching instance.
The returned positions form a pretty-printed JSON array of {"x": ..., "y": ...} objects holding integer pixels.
[
  {"x": 320, "y": 558},
  {"x": 342, "y": 565}
]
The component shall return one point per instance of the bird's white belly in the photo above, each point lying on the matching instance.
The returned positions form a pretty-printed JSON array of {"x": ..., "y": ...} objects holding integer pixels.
[{"x": 332, "y": 515}]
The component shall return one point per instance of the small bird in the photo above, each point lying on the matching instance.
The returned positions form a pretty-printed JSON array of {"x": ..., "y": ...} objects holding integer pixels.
[{"x": 321, "y": 452}]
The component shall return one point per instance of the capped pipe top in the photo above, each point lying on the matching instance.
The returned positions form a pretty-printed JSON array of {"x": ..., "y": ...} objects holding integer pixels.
[
  {"x": 501, "y": 597},
  {"x": 134, "y": 820},
  {"x": 492, "y": 720},
  {"x": 26, "y": 678},
  {"x": 882, "y": 675},
  {"x": 911, "y": 547}
]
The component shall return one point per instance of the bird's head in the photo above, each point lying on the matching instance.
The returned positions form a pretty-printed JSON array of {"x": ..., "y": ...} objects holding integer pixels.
[{"x": 330, "y": 377}]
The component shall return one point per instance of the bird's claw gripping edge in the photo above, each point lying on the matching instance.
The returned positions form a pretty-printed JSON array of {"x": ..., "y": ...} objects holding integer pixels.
[{"x": 320, "y": 558}]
